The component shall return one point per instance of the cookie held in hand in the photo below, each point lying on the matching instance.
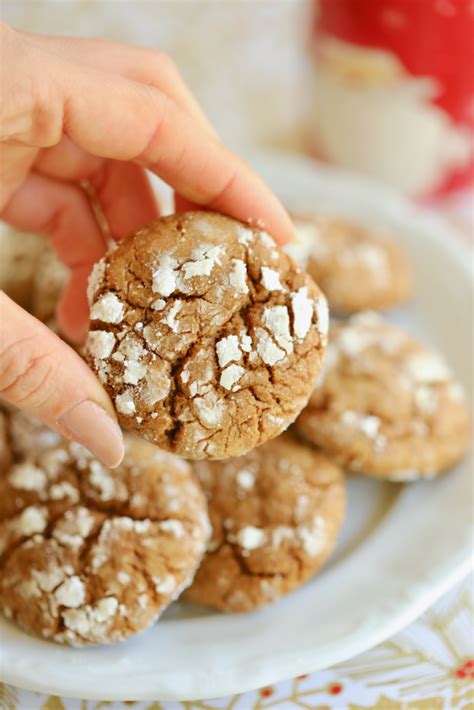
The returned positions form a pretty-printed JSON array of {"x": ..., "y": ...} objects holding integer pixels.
[{"x": 205, "y": 334}]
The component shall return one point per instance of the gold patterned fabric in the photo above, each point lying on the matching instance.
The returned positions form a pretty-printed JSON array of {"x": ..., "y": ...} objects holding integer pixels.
[{"x": 427, "y": 666}]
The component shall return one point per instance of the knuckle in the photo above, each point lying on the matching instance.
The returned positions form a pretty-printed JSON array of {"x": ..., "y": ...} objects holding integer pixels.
[
  {"x": 47, "y": 117},
  {"x": 224, "y": 188},
  {"x": 32, "y": 115},
  {"x": 26, "y": 377},
  {"x": 152, "y": 150}
]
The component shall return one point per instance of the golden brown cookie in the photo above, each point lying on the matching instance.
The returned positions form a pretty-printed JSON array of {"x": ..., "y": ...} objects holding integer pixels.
[
  {"x": 206, "y": 335},
  {"x": 89, "y": 555},
  {"x": 32, "y": 274},
  {"x": 26, "y": 436},
  {"x": 49, "y": 281},
  {"x": 356, "y": 267},
  {"x": 386, "y": 405},
  {"x": 275, "y": 515},
  {"x": 19, "y": 253}
]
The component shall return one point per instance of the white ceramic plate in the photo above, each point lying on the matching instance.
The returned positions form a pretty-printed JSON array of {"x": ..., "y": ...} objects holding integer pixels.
[{"x": 401, "y": 546}]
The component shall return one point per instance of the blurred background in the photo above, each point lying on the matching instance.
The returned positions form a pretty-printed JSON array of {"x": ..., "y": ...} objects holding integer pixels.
[
  {"x": 383, "y": 87},
  {"x": 244, "y": 60}
]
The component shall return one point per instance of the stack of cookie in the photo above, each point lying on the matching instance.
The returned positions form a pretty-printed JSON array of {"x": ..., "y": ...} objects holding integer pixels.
[{"x": 209, "y": 340}]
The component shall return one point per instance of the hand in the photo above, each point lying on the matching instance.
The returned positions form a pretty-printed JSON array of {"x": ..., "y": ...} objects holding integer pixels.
[{"x": 97, "y": 111}]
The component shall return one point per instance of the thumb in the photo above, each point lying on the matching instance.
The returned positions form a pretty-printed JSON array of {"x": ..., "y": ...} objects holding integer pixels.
[{"x": 42, "y": 375}]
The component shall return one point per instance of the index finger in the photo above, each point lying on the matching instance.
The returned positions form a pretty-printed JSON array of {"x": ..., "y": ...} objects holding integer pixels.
[{"x": 115, "y": 117}]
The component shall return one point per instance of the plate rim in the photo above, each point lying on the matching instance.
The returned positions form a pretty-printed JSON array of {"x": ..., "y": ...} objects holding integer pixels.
[{"x": 262, "y": 678}]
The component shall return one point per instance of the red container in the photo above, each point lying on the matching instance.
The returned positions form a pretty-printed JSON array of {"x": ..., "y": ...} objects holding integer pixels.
[{"x": 394, "y": 90}]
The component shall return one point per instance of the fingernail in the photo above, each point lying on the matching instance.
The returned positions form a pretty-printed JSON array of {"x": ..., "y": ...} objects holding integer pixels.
[{"x": 89, "y": 424}]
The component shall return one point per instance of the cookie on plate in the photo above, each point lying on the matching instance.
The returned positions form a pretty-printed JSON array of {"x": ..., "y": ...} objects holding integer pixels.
[
  {"x": 89, "y": 555},
  {"x": 205, "y": 334},
  {"x": 32, "y": 274},
  {"x": 275, "y": 515},
  {"x": 356, "y": 267},
  {"x": 20, "y": 253},
  {"x": 24, "y": 435},
  {"x": 386, "y": 405},
  {"x": 49, "y": 281}
]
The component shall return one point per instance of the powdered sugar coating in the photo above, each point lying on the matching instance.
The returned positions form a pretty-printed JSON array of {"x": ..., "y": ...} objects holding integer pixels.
[
  {"x": 71, "y": 592},
  {"x": 250, "y": 537},
  {"x": 245, "y": 479},
  {"x": 427, "y": 368},
  {"x": 225, "y": 318},
  {"x": 108, "y": 309},
  {"x": 238, "y": 276},
  {"x": 269, "y": 352},
  {"x": 322, "y": 310},
  {"x": 164, "y": 277},
  {"x": 228, "y": 349},
  {"x": 366, "y": 423},
  {"x": 28, "y": 477},
  {"x": 302, "y": 307},
  {"x": 100, "y": 344},
  {"x": 95, "y": 279},
  {"x": 277, "y": 321},
  {"x": 271, "y": 279},
  {"x": 125, "y": 403},
  {"x": 230, "y": 377},
  {"x": 31, "y": 520}
]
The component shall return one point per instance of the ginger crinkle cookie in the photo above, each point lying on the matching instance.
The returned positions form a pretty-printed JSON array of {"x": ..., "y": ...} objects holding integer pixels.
[
  {"x": 89, "y": 555},
  {"x": 206, "y": 335},
  {"x": 386, "y": 405},
  {"x": 357, "y": 268},
  {"x": 24, "y": 435},
  {"x": 275, "y": 515},
  {"x": 32, "y": 274}
]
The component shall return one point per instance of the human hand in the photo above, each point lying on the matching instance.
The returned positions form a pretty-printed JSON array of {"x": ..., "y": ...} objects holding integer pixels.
[{"x": 76, "y": 110}]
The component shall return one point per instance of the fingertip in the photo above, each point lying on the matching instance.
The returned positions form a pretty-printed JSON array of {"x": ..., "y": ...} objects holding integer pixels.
[
  {"x": 91, "y": 425},
  {"x": 247, "y": 197},
  {"x": 279, "y": 226}
]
